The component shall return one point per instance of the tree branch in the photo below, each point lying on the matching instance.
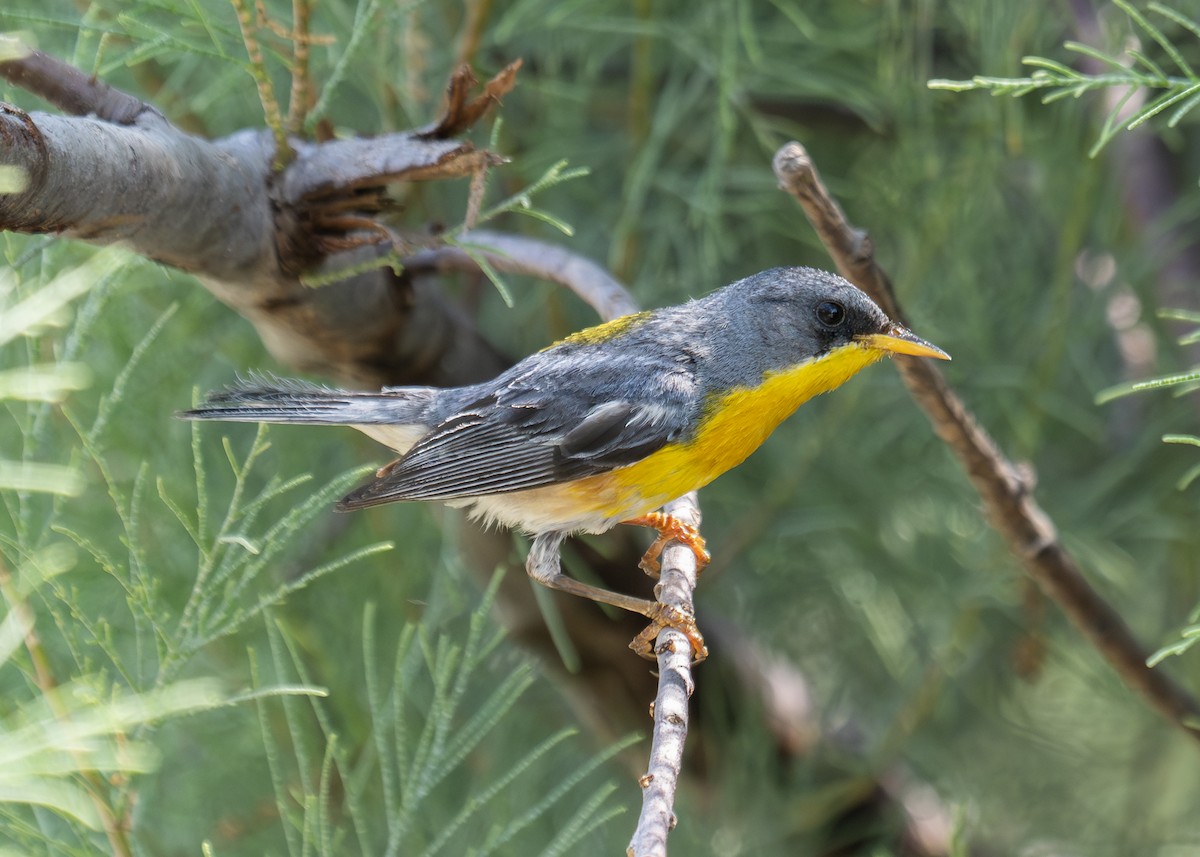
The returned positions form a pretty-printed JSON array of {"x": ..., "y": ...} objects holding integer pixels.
[
  {"x": 515, "y": 254},
  {"x": 676, "y": 582},
  {"x": 1006, "y": 491},
  {"x": 69, "y": 89},
  {"x": 217, "y": 210}
]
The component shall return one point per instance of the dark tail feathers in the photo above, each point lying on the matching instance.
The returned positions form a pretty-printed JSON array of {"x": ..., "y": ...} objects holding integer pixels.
[{"x": 263, "y": 399}]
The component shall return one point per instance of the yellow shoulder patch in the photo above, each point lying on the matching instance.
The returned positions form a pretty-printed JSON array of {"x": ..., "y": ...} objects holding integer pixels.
[{"x": 604, "y": 332}]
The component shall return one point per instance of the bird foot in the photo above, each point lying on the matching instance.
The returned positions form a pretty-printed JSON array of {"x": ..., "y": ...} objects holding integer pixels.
[
  {"x": 670, "y": 529},
  {"x": 666, "y": 616}
]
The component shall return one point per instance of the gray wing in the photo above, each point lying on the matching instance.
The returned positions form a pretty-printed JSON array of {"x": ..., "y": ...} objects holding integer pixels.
[{"x": 549, "y": 420}]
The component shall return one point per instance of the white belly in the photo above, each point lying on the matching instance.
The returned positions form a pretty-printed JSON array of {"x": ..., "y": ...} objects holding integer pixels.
[{"x": 399, "y": 437}]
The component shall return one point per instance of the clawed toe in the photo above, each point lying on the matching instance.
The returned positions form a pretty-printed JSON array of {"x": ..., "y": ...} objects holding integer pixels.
[
  {"x": 666, "y": 616},
  {"x": 669, "y": 529}
]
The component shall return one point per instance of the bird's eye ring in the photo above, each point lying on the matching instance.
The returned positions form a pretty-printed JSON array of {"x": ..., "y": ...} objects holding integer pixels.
[{"x": 831, "y": 313}]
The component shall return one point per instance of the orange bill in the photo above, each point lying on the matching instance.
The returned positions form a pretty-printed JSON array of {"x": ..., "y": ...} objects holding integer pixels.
[{"x": 900, "y": 340}]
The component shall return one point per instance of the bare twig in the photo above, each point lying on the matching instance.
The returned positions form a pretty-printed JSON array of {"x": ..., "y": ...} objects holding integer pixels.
[
  {"x": 676, "y": 582},
  {"x": 70, "y": 90},
  {"x": 1005, "y": 490},
  {"x": 462, "y": 112},
  {"x": 515, "y": 254}
]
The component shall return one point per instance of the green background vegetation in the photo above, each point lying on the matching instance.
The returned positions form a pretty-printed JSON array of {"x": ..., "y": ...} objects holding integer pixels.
[{"x": 850, "y": 545}]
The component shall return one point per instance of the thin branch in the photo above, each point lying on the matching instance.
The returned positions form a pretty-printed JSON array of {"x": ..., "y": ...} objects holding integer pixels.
[
  {"x": 676, "y": 582},
  {"x": 70, "y": 90},
  {"x": 1005, "y": 490},
  {"x": 515, "y": 254},
  {"x": 262, "y": 80},
  {"x": 301, "y": 80}
]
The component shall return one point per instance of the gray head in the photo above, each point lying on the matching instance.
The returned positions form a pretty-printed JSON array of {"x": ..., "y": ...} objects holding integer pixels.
[{"x": 798, "y": 314}]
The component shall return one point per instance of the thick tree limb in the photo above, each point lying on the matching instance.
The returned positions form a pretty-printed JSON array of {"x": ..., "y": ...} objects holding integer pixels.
[
  {"x": 107, "y": 183},
  {"x": 217, "y": 210},
  {"x": 1006, "y": 492}
]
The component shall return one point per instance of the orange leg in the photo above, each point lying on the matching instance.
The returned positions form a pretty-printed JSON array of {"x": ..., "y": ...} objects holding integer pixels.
[
  {"x": 669, "y": 530},
  {"x": 544, "y": 566}
]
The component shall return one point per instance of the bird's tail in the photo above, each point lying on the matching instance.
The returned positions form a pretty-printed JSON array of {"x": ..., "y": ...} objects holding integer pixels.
[{"x": 271, "y": 400}]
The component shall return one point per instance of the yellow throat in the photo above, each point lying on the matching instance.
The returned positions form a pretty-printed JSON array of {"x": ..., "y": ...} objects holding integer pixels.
[{"x": 735, "y": 424}]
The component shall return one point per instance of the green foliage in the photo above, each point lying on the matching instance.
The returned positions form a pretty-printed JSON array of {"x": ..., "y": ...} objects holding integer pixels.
[
  {"x": 63, "y": 735},
  {"x": 433, "y": 712},
  {"x": 851, "y": 546},
  {"x": 1186, "y": 382},
  {"x": 51, "y": 741},
  {"x": 1180, "y": 94}
]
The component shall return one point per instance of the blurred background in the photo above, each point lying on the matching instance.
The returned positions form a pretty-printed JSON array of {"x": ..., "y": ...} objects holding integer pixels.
[{"x": 850, "y": 551}]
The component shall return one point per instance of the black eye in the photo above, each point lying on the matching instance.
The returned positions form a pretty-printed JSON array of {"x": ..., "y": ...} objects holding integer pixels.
[{"x": 830, "y": 313}]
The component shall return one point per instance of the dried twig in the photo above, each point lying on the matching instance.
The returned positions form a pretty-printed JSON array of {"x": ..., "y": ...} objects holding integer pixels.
[
  {"x": 301, "y": 80},
  {"x": 515, "y": 254},
  {"x": 70, "y": 90},
  {"x": 676, "y": 582},
  {"x": 1005, "y": 490},
  {"x": 461, "y": 111}
]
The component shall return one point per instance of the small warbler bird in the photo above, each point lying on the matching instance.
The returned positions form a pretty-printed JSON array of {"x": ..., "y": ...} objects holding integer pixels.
[{"x": 607, "y": 425}]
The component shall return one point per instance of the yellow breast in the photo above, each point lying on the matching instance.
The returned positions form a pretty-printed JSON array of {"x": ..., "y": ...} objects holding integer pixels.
[{"x": 735, "y": 424}]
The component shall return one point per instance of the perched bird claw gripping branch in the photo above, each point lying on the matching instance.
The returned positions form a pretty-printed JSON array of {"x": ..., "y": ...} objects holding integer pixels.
[{"x": 609, "y": 424}]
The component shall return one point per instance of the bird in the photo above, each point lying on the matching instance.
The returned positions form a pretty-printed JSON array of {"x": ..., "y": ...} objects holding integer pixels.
[{"x": 607, "y": 425}]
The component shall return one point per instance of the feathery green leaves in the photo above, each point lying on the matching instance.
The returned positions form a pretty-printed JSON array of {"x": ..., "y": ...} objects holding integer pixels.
[
  {"x": 431, "y": 712},
  {"x": 1179, "y": 92}
]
